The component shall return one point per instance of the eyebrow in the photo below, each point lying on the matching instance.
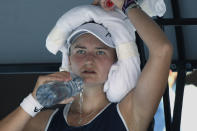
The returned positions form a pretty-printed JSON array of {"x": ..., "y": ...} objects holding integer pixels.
[
  {"x": 78, "y": 46},
  {"x": 83, "y": 47},
  {"x": 101, "y": 48}
]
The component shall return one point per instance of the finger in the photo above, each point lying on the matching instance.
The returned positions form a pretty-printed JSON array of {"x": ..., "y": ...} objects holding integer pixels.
[
  {"x": 49, "y": 78},
  {"x": 66, "y": 101},
  {"x": 99, "y": 2},
  {"x": 58, "y": 76},
  {"x": 67, "y": 75},
  {"x": 102, "y": 3},
  {"x": 61, "y": 76},
  {"x": 96, "y": 2}
]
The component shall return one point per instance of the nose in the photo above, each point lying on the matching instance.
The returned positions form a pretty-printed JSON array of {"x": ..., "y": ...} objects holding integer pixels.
[{"x": 90, "y": 58}]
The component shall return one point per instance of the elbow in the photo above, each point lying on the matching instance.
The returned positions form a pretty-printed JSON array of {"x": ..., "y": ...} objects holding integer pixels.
[
  {"x": 164, "y": 51},
  {"x": 168, "y": 49}
]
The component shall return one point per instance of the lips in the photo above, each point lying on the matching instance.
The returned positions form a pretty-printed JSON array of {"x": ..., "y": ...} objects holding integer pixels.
[{"x": 88, "y": 72}]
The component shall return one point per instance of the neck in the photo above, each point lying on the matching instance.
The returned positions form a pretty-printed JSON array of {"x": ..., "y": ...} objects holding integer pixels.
[{"x": 92, "y": 98}]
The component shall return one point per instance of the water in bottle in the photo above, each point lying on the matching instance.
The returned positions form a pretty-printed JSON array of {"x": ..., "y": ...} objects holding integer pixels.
[{"x": 52, "y": 93}]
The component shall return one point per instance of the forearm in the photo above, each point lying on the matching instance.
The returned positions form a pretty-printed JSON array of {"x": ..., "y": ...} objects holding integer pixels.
[
  {"x": 160, "y": 49},
  {"x": 149, "y": 31},
  {"x": 15, "y": 121}
]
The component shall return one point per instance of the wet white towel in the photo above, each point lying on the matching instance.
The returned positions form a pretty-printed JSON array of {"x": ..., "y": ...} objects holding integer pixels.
[{"x": 153, "y": 7}]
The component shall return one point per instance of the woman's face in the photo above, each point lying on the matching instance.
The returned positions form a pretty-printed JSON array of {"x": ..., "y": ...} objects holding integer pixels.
[{"x": 91, "y": 59}]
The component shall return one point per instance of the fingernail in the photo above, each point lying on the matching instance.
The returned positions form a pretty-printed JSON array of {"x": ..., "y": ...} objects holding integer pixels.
[{"x": 109, "y": 4}]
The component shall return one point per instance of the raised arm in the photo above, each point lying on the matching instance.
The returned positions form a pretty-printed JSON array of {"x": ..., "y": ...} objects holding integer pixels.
[
  {"x": 153, "y": 80},
  {"x": 140, "y": 105}
]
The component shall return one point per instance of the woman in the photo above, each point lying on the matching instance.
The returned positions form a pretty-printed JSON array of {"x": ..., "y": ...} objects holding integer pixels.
[{"x": 91, "y": 59}]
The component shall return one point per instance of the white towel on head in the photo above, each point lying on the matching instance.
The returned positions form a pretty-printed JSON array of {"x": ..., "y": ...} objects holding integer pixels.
[
  {"x": 122, "y": 78},
  {"x": 123, "y": 33},
  {"x": 153, "y": 7}
]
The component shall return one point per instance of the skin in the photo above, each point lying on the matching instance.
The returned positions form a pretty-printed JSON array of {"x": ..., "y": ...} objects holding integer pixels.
[
  {"x": 90, "y": 59},
  {"x": 137, "y": 108}
]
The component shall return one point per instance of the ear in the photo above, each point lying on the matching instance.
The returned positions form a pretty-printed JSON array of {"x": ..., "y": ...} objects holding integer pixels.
[{"x": 69, "y": 63}]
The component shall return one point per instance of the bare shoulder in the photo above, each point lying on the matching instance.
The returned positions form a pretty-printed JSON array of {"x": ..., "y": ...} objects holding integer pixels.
[
  {"x": 126, "y": 108},
  {"x": 39, "y": 122},
  {"x": 130, "y": 112}
]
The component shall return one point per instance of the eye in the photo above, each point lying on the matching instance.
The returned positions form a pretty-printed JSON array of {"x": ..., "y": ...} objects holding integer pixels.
[
  {"x": 80, "y": 52},
  {"x": 100, "y": 52}
]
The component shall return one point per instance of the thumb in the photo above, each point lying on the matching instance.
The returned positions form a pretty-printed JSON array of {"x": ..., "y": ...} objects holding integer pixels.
[
  {"x": 96, "y": 2},
  {"x": 67, "y": 100}
]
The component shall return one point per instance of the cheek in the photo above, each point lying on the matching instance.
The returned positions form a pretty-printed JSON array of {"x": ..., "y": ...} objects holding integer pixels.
[
  {"x": 106, "y": 65},
  {"x": 75, "y": 63}
]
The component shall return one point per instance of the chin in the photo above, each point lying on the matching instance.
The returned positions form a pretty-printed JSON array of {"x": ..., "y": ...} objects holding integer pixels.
[{"x": 93, "y": 83}]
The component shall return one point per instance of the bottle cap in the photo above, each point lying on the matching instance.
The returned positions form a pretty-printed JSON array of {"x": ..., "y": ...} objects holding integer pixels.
[{"x": 109, "y": 3}]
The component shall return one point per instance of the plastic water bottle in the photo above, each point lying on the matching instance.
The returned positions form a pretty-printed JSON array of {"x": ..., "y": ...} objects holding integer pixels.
[{"x": 52, "y": 93}]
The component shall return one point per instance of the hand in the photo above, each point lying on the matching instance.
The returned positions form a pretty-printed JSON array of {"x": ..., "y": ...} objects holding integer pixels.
[
  {"x": 118, "y": 3},
  {"x": 58, "y": 76}
]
